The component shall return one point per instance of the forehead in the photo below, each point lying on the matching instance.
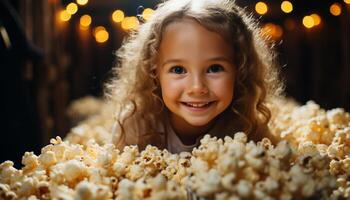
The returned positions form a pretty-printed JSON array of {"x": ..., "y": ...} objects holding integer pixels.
[{"x": 187, "y": 37}]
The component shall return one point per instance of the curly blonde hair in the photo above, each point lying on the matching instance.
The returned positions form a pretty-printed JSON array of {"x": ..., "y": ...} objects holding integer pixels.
[{"x": 135, "y": 83}]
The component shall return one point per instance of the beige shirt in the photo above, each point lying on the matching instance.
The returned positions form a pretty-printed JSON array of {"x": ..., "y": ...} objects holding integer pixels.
[
  {"x": 222, "y": 128},
  {"x": 174, "y": 143}
]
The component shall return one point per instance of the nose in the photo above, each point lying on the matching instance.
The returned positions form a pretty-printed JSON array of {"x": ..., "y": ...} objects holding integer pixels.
[{"x": 198, "y": 85}]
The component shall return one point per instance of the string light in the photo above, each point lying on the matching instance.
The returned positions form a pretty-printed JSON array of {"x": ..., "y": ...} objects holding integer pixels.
[
  {"x": 65, "y": 16},
  {"x": 101, "y": 35},
  {"x": 317, "y": 19},
  {"x": 261, "y": 8},
  {"x": 147, "y": 13},
  {"x": 335, "y": 9},
  {"x": 130, "y": 23},
  {"x": 97, "y": 29},
  {"x": 308, "y": 22},
  {"x": 82, "y": 2},
  {"x": 286, "y": 6},
  {"x": 85, "y": 20},
  {"x": 118, "y": 16},
  {"x": 273, "y": 30},
  {"x": 72, "y": 8}
]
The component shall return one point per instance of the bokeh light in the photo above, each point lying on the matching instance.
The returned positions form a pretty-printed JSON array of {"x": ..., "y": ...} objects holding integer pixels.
[
  {"x": 347, "y": 1},
  {"x": 308, "y": 22},
  {"x": 335, "y": 9},
  {"x": 97, "y": 29},
  {"x": 286, "y": 6},
  {"x": 85, "y": 20},
  {"x": 147, "y": 13},
  {"x": 65, "y": 16},
  {"x": 72, "y": 8},
  {"x": 261, "y": 8},
  {"x": 118, "y": 16},
  {"x": 82, "y": 2},
  {"x": 130, "y": 23},
  {"x": 272, "y": 30},
  {"x": 317, "y": 19},
  {"x": 101, "y": 34}
]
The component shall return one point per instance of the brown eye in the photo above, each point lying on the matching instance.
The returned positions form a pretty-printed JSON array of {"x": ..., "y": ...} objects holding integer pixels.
[
  {"x": 178, "y": 70},
  {"x": 215, "y": 68}
]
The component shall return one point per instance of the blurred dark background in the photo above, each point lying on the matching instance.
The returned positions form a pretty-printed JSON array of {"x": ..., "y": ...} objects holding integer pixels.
[{"x": 53, "y": 52}]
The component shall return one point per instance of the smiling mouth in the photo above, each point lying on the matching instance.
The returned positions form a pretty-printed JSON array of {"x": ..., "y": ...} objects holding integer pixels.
[{"x": 198, "y": 105}]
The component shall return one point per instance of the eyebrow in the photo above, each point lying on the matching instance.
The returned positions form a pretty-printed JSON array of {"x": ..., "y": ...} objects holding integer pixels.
[{"x": 219, "y": 58}]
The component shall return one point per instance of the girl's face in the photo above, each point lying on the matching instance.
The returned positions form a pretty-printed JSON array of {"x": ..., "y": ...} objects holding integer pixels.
[{"x": 196, "y": 74}]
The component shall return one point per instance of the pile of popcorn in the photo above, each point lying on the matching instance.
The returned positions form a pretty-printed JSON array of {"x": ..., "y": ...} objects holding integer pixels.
[
  {"x": 326, "y": 131},
  {"x": 92, "y": 119},
  {"x": 310, "y": 162},
  {"x": 85, "y": 107}
]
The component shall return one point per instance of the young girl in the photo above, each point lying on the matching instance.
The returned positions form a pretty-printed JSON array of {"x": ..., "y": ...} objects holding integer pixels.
[{"x": 196, "y": 67}]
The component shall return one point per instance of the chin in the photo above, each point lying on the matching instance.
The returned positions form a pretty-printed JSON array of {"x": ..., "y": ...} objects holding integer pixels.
[{"x": 198, "y": 122}]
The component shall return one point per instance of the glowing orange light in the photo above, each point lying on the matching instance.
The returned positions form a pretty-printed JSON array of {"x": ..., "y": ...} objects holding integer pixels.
[
  {"x": 72, "y": 8},
  {"x": 147, "y": 13},
  {"x": 118, "y": 16},
  {"x": 347, "y": 1},
  {"x": 82, "y": 2},
  {"x": 308, "y": 22},
  {"x": 130, "y": 23},
  {"x": 85, "y": 20},
  {"x": 97, "y": 29},
  {"x": 261, "y": 8},
  {"x": 65, "y": 16},
  {"x": 287, "y": 6},
  {"x": 335, "y": 9},
  {"x": 101, "y": 35},
  {"x": 273, "y": 30},
  {"x": 317, "y": 19}
]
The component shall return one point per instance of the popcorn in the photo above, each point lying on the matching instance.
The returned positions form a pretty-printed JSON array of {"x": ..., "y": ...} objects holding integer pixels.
[
  {"x": 311, "y": 161},
  {"x": 244, "y": 188},
  {"x": 89, "y": 191},
  {"x": 47, "y": 159},
  {"x": 30, "y": 161},
  {"x": 8, "y": 172}
]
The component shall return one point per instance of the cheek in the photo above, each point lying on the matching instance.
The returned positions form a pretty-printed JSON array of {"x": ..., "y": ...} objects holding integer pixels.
[
  {"x": 171, "y": 89},
  {"x": 224, "y": 89}
]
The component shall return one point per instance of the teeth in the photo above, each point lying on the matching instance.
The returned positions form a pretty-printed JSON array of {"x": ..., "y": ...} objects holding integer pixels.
[{"x": 197, "y": 105}]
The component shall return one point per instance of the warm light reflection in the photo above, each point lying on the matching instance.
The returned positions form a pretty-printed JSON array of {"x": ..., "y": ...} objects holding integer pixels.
[
  {"x": 287, "y": 6},
  {"x": 85, "y": 20},
  {"x": 101, "y": 35},
  {"x": 261, "y": 8},
  {"x": 308, "y": 22},
  {"x": 72, "y": 8},
  {"x": 82, "y": 2},
  {"x": 97, "y": 29},
  {"x": 335, "y": 9},
  {"x": 272, "y": 30},
  {"x": 65, "y": 16},
  {"x": 317, "y": 19},
  {"x": 347, "y": 1},
  {"x": 130, "y": 23},
  {"x": 147, "y": 13},
  {"x": 125, "y": 23},
  {"x": 118, "y": 16}
]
